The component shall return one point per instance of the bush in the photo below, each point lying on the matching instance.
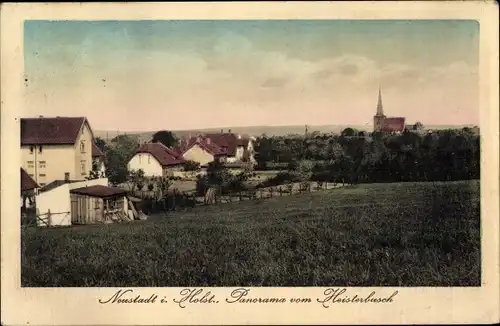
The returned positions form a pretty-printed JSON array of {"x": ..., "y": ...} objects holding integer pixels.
[{"x": 191, "y": 165}]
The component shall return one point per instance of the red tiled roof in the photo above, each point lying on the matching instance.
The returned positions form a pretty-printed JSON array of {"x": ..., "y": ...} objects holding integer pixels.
[
  {"x": 27, "y": 182},
  {"x": 50, "y": 131},
  {"x": 99, "y": 191},
  {"x": 219, "y": 143},
  {"x": 164, "y": 155},
  {"x": 229, "y": 141},
  {"x": 392, "y": 124},
  {"x": 96, "y": 151},
  {"x": 207, "y": 145}
]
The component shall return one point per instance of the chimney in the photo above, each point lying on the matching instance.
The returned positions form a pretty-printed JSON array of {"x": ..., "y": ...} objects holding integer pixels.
[
  {"x": 66, "y": 176},
  {"x": 208, "y": 140},
  {"x": 239, "y": 136},
  {"x": 222, "y": 131},
  {"x": 198, "y": 138},
  {"x": 229, "y": 130}
]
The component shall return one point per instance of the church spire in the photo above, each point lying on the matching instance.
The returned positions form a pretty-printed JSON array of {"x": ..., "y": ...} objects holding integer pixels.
[{"x": 380, "y": 108}]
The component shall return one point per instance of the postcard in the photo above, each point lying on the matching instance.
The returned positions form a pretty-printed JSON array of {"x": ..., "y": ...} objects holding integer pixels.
[{"x": 249, "y": 163}]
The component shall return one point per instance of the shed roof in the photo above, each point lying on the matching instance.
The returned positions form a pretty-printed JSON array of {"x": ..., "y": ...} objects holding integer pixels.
[{"x": 99, "y": 191}]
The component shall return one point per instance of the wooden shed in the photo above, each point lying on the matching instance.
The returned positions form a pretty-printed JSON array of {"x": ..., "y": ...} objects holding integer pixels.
[{"x": 98, "y": 204}]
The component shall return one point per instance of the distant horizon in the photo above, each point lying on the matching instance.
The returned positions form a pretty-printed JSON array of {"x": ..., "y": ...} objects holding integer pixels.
[
  {"x": 259, "y": 130},
  {"x": 187, "y": 75}
]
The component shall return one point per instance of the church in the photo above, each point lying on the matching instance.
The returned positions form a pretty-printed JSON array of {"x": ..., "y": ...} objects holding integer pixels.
[{"x": 381, "y": 123}]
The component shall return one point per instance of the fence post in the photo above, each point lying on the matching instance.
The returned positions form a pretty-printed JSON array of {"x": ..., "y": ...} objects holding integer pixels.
[
  {"x": 281, "y": 191},
  {"x": 49, "y": 218},
  {"x": 240, "y": 195}
]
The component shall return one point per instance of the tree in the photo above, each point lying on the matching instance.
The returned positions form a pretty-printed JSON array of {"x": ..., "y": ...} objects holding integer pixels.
[
  {"x": 117, "y": 158},
  {"x": 418, "y": 126},
  {"x": 348, "y": 132},
  {"x": 165, "y": 137},
  {"x": 136, "y": 179},
  {"x": 123, "y": 139},
  {"x": 100, "y": 143}
]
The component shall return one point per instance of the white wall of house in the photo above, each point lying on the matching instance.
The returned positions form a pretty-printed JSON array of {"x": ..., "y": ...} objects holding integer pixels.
[
  {"x": 101, "y": 168},
  {"x": 239, "y": 152},
  {"x": 58, "y": 201},
  {"x": 198, "y": 154},
  {"x": 146, "y": 162},
  {"x": 251, "y": 150}
]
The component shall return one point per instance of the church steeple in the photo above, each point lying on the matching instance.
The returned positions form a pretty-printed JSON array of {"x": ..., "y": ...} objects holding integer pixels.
[{"x": 380, "y": 107}]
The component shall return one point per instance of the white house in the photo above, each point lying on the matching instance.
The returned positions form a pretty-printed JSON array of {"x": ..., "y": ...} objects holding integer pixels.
[{"x": 155, "y": 159}]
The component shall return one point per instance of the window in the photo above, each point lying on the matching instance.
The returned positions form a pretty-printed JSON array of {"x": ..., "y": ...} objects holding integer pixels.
[
  {"x": 42, "y": 174},
  {"x": 42, "y": 184},
  {"x": 31, "y": 164},
  {"x": 42, "y": 164},
  {"x": 140, "y": 156},
  {"x": 31, "y": 175},
  {"x": 82, "y": 146},
  {"x": 39, "y": 149},
  {"x": 31, "y": 149},
  {"x": 149, "y": 159},
  {"x": 83, "y": 168}
]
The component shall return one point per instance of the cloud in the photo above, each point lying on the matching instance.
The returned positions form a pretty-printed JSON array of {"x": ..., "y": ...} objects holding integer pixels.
[{"x": 233, "y": 77}]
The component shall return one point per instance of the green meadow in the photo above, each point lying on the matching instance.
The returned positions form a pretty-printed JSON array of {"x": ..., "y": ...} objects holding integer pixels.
[{"x": 395, "y": 234}]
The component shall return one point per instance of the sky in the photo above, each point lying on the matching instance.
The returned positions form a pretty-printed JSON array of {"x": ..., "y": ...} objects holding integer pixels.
[{"x": 152, "y": 75}]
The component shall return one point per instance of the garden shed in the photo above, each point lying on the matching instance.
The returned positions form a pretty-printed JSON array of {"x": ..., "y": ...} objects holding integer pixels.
[{"x": 98, "y": 204}]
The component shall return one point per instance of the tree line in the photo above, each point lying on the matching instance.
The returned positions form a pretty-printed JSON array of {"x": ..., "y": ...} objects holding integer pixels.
[
  {"x": 354, "y": 157},
  {"x": 443, "y": 155}
]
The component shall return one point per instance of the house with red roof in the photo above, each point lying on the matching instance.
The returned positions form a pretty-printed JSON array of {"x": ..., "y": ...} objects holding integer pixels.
[
  {"x": 224, "y": 146},
  {"x": 381, "y": 123},
  {"x": 54, "y": 148},
  {"x": 155, "y": 159}
]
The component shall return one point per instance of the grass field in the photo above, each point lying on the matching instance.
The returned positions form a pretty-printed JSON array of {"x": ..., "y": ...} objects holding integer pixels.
[{"x": 408, "y": 234}]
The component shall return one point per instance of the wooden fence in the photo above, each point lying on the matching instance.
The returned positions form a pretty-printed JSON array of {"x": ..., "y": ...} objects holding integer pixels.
[{"x": 182, "y": 200}]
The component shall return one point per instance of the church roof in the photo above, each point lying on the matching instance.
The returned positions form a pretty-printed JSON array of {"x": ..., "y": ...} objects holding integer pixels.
[{"x": 393, "y": 124}]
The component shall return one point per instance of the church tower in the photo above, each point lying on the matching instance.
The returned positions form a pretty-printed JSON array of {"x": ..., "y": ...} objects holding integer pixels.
[{"x": 378, "y": 119}]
